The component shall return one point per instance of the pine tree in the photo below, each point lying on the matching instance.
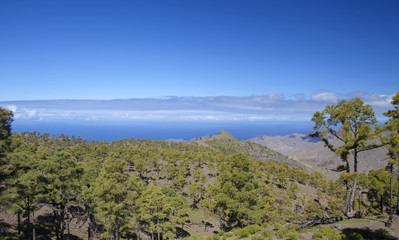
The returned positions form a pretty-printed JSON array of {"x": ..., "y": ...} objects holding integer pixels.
[
  {"x": 62, "y": 176},
  {"x": 6, "y": 118},
  {"x": 392, "y": 143},
  {"x": 115, "y": 193},
  {"x": 155, "y": 210},
  {"x": 352, "y": 123}
]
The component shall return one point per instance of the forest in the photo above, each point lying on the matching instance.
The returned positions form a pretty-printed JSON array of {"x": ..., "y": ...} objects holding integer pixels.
[{"x": 66, "y": 187}]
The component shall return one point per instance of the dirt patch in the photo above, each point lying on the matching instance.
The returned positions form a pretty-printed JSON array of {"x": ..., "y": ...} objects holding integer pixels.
[{"x": 369, "y": 229}]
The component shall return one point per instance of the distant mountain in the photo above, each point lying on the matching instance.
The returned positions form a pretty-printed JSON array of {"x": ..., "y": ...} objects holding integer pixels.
[
  {"x": 228, "y": 144},
  {"x": 176, "y": 140},
  {"x": 312, "y": 152},
  {"x": 287, "y": 145},
  {"x": 222, "y": 136}
]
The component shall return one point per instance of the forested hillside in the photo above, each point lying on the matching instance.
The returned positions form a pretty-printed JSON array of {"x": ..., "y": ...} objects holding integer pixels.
[{"x": 151, "y": 188}]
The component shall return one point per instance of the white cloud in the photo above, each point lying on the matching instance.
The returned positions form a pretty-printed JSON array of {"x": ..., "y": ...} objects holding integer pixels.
[
  {"x": 223, "y": 108},
  {"x": 379, "y": 100},
  {"x": 24, "y": 113},
  {"x": 91, "y": 118},
  {"x": 13, "y": 108},
  {"x": 325, "y": 96},
  {"x": 31, "y": 113}
]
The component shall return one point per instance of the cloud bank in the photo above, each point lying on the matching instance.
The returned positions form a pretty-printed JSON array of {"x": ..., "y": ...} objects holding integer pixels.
[{"x": 220, "y": 108}]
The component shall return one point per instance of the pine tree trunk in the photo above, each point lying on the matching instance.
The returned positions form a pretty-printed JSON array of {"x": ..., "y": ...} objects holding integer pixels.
[
  {"x": 116, "y": 231},
  {"x": 62, "y": 216},
  {"x": 158, "y": 229},
  {"x": 382, "y": 204},
  {"x": 391, "y": 197},
  {"x": 397, "y": 200},
  {"x": 68, "y": 227},
  {"x": 28, "y": 218},
  {"x": 348, "y": 192},
  {"x": 19, "y": 222},
  {"x": 352, "y": 199},
  {"x": 347, "y": 199},
  {"x": 33, "y": 225},
  {"x": 138, "y": 230},
  {"x": 57, "y": 226},
  {"x": 61, "y": 230},
  {"x": 89, "y": 237}
]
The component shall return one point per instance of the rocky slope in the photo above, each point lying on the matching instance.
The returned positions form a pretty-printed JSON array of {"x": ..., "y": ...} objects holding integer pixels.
[{"x": 312, "y": 152}]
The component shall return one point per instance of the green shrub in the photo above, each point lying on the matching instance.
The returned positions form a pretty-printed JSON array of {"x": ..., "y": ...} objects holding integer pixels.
[
  {"x": 242, "y": 233},
  {"x": 292, "y": 235},
  {"x": 294, "y": 227},
  {"x": 265, "y": 225},
  {"x": 227, "y": 235},
  {"x": 213, "y": 237},
  {"x": 257, "y": 237},
  {"x": 195, "y": 237},
  {"x": 328, "y": 233},
  {"x": 281, "y": 233},
  {"x": 169, "y": 235},
  {"x": 266, "y": 234},
  {"x": 277, "y": 226},
  {"x": 252, "y": 229}
]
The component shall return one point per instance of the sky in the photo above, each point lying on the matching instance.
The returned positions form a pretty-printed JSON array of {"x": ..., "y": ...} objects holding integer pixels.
[{"x": 187, "y": 60}]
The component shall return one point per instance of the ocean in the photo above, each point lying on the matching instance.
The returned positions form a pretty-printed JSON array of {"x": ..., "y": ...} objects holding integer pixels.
[{"x": 111, "y": 131}]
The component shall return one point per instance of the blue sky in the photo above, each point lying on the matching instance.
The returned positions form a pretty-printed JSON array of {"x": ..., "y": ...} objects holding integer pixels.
[
  {"x": 138, "y": 49},
  {"x": 300, "y": 54}
]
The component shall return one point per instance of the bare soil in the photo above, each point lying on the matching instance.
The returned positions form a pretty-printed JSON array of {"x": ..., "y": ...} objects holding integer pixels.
[{"x": 369, "y": 228}]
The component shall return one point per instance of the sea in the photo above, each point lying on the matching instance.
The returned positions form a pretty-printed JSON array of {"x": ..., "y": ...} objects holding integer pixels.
[{"x": 161, "y": 130}]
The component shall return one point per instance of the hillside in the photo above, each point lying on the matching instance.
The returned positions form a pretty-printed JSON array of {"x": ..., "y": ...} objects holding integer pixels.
[
  {"x": 312, "y": 152},
  {"x": 199, "y": 188},
  {"x": 226, "y": 143}
]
